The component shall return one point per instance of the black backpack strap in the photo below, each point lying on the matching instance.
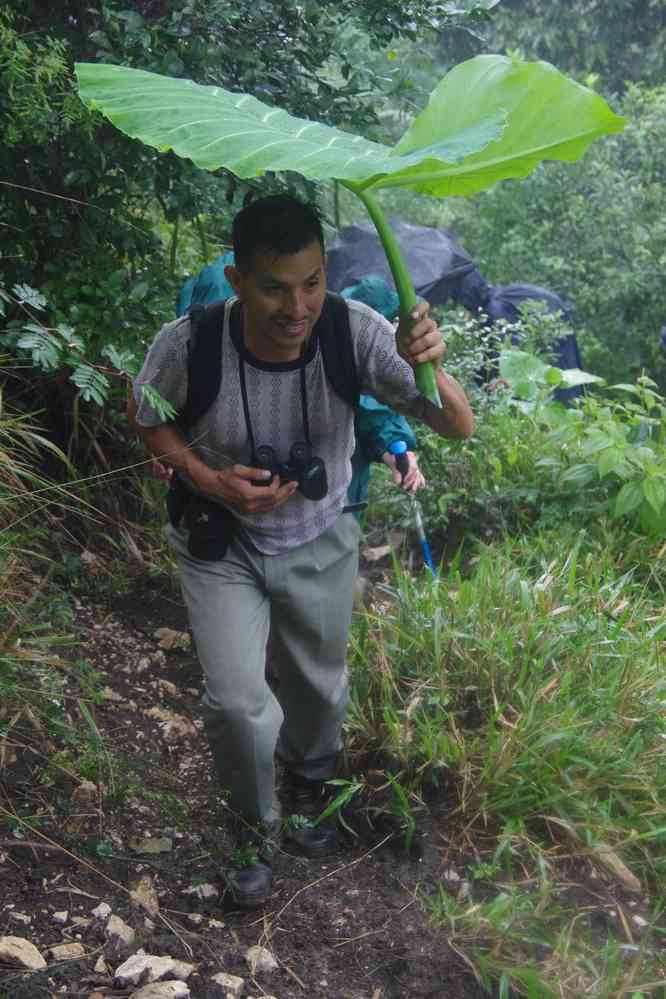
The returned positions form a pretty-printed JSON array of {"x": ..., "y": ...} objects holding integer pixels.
[
  {"x": 337, "y": 350},
  {"x": 204, "y": 365}
]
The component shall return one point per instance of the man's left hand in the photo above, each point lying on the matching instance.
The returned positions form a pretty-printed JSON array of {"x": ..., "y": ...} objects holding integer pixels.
[
  {"x": 419, "y": 338},
  {"x": 412, "y": 479}
]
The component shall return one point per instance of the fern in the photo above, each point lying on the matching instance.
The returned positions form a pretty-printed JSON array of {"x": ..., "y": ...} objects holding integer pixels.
[
  {"x": 92, "y": 384},
  {"x": 163, "y": 408},
  {"x": 29, "y": 296},
  {"x": 72, "y": 340},
  {"x": 124, "y": 360},
  {"x": 45, "y": 347}
]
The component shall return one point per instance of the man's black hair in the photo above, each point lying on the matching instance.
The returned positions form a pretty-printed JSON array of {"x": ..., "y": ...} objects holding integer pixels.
[{"x": 277, "y": 225}]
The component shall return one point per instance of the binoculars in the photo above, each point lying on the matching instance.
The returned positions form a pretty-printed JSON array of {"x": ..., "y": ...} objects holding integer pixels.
[{"x": 303, "y": 467}]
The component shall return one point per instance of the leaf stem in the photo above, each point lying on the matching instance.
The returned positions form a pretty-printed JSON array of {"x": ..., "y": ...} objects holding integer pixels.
[{"x": 424, "y": 373}]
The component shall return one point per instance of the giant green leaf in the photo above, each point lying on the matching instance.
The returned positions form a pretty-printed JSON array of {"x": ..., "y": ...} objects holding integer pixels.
[
  {"x": 489, "y": 118},
  {"x": 548, "y": 117},
  {"x": 214, "y": 128}
]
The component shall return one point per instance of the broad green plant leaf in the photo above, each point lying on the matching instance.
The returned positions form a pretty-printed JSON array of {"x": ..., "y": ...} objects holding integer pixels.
[
  {"x": 654, "y": 491},
  {"x": 629, "y": 498},
  {"x": 574, "y": 376},
  {"x": 217, "y": 128},
  {"x": 548, "y": 117},
  {"x": 527, "y": 373},
  {"x": 519, "y": 367},
  {"x": 489, "y": 118}
]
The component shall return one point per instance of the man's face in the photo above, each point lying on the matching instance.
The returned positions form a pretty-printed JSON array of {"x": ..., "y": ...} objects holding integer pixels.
[{"x": 282, "y": 298}]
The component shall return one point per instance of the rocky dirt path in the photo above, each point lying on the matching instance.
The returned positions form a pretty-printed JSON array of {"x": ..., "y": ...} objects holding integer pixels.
[{"x": 128, "y": 864}]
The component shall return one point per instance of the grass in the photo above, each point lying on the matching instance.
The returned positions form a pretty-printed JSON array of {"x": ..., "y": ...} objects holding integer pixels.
[
  {"x": 530, "y": 680},
  {"x": 534, "y": 681},
  {"x": 45, "y": 694}
]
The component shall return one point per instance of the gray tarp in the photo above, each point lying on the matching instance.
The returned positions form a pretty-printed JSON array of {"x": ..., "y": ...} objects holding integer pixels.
[{"x": 434, "y": 258}]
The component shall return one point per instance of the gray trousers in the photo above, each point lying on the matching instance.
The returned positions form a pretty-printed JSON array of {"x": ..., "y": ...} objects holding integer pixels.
[{"x": 304, "y": 597}]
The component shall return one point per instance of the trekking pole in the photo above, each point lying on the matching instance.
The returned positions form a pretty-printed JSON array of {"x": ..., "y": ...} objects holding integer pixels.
[{"x": 399, "y": 451}]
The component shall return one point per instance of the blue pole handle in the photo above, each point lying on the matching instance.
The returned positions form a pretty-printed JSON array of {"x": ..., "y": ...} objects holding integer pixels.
[{"x": 399, "y": 451}]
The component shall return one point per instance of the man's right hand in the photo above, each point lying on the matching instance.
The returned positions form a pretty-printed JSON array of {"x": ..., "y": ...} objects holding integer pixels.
[{"x": 245, "y": 489}]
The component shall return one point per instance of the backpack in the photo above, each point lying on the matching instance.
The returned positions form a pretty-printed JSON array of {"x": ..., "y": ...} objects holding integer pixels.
[{"x": 205, "y": 356}]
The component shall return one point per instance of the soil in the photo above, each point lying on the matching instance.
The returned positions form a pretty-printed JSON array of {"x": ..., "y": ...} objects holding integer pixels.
[{"x": 355, "y": 926}]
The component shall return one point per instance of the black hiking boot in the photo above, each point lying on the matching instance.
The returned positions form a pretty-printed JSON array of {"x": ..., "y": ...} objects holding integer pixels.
[
  {"x": 304, "y": 801},
  {"x": 249, "y": 877}
]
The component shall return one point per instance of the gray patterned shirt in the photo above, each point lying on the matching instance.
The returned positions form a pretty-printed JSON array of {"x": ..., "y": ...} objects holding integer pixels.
[{"x": 220, "y": 436}]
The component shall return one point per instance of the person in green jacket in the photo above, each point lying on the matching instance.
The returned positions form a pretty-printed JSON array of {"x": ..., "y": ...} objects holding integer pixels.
[{"x": 377, "y": 426}]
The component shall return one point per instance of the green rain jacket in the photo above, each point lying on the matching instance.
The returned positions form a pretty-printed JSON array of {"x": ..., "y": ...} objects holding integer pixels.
[{"x": 376, "y": 426}]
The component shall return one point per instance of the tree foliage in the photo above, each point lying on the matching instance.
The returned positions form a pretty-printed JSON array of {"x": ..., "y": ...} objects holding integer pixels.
[
  {"x": 620, "y": 41},
  {"x": 612, "y": 43},
  {"x": 95, "y": 221}
]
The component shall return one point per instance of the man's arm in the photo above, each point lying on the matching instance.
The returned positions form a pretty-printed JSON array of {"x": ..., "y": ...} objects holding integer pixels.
[
  {"x": 423, "y": 342},
  {"x": 455, "y": 419}
]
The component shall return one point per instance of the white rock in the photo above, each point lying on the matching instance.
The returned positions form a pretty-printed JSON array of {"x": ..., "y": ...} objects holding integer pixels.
[
  {"x": 142, "y": 968},
  {"x": 260, "y": 959},
  {"x": 177, "y": 728},
  {"x": 232, "y": 984},
  {"x": 639, "y": 921},
  {"x": 195, "y": 918},
  {"x": 162, "y": 990},
  {"x": 20, "y": 917},
  {"x": 375, "y": 554},
  {"x": 202, "y": 891},
  {"x": 169, "y": 639},
  {"x": 144, "y": 896},
  {"x": 16, "y": 950},
  {"x": 103, "y": 911},
  {"x": 111, "y": 695},
  {"x": 60, "y": 917},
  {"x": 118, "y": 933},
  {"x": 85, "y": 794},
  {"x": 182, "y": 970},
  {"x": 216, "y": 924},
  {"x": 66, "y": 951},
  {"x": 101, "y": 967},
  {"x": 166, "y": 686}
]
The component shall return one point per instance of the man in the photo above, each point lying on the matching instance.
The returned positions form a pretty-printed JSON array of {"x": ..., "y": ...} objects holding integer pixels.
[
  {"x": 253, "y": 550},
  {"x": 376, "y": 426}
]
